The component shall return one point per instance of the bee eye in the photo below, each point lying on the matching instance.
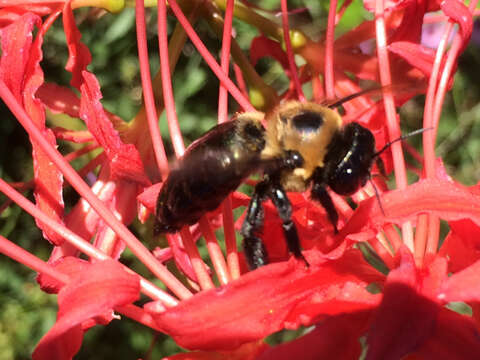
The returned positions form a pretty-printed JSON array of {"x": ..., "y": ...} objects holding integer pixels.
[{"x": 307, "y": 121}]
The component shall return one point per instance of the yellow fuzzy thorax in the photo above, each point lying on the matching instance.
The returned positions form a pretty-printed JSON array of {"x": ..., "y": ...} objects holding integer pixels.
[{"x": 282, "y": 136}]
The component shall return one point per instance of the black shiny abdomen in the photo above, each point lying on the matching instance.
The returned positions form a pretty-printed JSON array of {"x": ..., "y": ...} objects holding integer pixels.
[
  {"x": 349, "y": 159},
  {"x": 212, "y": 167}
]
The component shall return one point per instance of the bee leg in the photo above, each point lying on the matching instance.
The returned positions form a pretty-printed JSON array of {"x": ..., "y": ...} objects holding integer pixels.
[
  {"x": 253, "y": 247},
  {"x": 291, "y": 160},
  {"x": 279, "y": 198},
  {"x": 320, "y": 194}
]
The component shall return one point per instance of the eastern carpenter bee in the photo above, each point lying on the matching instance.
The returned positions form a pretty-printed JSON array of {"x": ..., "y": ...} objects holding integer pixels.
[{"x": 303, "y": 145}]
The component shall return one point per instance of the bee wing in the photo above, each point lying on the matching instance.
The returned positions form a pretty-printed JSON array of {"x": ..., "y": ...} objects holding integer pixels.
[
  {"x": 213, "y": 138},
  {"x": 377, "y": 92}
]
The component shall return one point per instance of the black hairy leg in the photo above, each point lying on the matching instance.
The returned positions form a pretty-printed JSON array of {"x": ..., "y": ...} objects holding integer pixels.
[
  {"x": 320, "y": 194},
  {"x": 279, "y": 198},
  {"x": 253, "y": 247}
]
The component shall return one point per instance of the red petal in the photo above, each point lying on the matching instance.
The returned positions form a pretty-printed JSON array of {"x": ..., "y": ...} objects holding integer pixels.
[
  {"x": 16, "y": 45},
  {"x": 262, "y": 302},
  {"x": 59, "y": 99},
  {"x": 462, "y": 245},
  {"x": 149, "y": 196},
  {"x": 262, "y": 46},
  {"x": 21, "y": 72},
  {"x": 416, "y": 55},
  {"x": 389, "y": 5},
  {"x": 68, "y": 265},
  {"x": 462, "y": 286},
  {"x": 350, "y": 39},
  {"x": 248, "y": 351},
  {"x": 120, "y": 204},
  {"x": 454, "y": 337},
  {"x": 125, "y": 162},
  {"x": 475, "y": 313},
  {"x": 444, "y": 199},
  {"x": 336, "y": 299},
  {"x": 48, "y": 188},
  {"x": 334, "y": 338},
  {"x": 83, "y": 219},
  {"x": 405, "y": 318},
  {"x": 458, "y": 12},
  {"x": 78, "y": 54},
  {"x": 78, "y": 137},
  {"x": 92, "y": 293},
  {"x": 48, "y": 178},
  {"x": 12, "y": 13},
  {"x": 432, "y": 276},
  {"x": 182, "y": 260}
]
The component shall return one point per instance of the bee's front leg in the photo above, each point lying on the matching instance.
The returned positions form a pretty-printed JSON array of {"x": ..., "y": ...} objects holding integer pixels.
[
  {"x": 319, "y": 193},
  {"x": 279, "y": 198}
]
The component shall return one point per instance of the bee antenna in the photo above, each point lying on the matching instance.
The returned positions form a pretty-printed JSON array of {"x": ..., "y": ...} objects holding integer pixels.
[
  {"x": 351, "y": 97},
  {"x": 401, "y": 138},
  {"x": 377, "y": 195}
]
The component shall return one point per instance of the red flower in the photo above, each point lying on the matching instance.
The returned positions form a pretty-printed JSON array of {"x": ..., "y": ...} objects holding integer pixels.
[
  {"x": 408, "y": 313},
  {"x": 104, "y": 281}
]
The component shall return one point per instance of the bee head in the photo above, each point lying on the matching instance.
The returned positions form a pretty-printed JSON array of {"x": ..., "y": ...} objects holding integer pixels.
[{"x": 349, "y": 159}]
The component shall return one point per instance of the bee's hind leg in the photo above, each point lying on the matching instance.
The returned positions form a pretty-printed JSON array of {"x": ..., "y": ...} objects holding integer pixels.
[{"x": 254, "y": 250}]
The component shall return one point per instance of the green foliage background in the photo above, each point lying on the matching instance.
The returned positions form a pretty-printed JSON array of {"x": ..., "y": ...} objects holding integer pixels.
[{"x": 26, "y": 313}]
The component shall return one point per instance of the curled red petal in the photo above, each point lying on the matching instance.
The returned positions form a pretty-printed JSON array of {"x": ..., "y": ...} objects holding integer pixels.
[
  {"x": 48, "y": 179},
  {"x": 78, "y": 54},
  {"x": 125, "y": 162},
  {"x": 21, "y": 72},
  {"x": 260, "y": 303},
  {"x": 458, "y": 12},
  {"x": 92, "y": 293},
  {"x": 69, "y": 265}
]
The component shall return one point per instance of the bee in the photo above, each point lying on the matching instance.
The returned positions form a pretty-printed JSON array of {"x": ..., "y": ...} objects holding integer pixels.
[{"x": 304, "y": 145}]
